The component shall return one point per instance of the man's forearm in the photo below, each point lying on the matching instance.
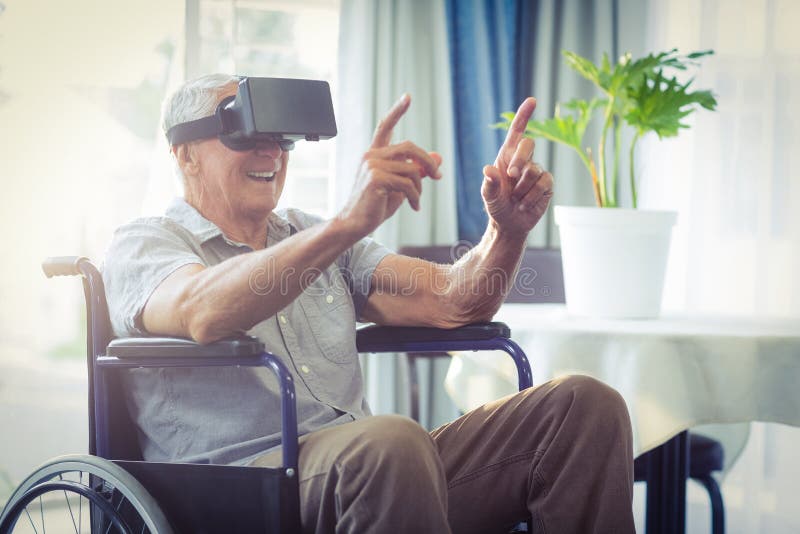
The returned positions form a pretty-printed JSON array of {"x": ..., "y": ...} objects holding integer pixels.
[
  {"x": 480, "y": 281},
  {"x": 242, "y": 291}
]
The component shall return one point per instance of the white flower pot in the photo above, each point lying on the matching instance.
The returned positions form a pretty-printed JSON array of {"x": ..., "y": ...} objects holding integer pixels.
[{"x": 614, "y": 260}]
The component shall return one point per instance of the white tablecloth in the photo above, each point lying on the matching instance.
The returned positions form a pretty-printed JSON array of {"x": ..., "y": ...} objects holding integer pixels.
[{"x": 675, "y": 372}]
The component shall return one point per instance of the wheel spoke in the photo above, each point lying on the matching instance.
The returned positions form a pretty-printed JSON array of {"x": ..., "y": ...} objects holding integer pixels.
[
  {"x": 116, "y": 507},
  {"x": 31, "y": 520},
  {"x": 80, "y": 504},
  {"x": 69, "y": 507},
  {"x": 111, "y": 499},
  {"x": 41, "y": 513}
]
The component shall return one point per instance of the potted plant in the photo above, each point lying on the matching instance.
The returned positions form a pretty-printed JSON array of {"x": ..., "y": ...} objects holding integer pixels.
[{"x": 615, "y": 259}]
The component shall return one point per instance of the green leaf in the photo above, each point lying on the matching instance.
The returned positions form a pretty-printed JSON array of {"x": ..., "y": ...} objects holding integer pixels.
[
  {"x": 701, "y": 53},
  {"x": 583, "y": 66},
  {"x": 642, "y": 92},
  {"x": 660, "y": 103},
  {"x": 568, "y": 129}
]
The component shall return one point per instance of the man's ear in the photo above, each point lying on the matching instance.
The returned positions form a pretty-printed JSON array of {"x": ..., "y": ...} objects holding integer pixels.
[{"x": 186, "y": 157}]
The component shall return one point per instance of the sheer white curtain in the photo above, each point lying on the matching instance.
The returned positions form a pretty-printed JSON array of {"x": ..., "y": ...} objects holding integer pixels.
[
  {"x": 388, "y": 48},
  {"x": 735, "y": 182},
  {"x": 733, "y": 175}
]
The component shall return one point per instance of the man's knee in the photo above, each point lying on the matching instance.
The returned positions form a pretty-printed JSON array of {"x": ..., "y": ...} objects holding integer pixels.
[
  {"x": 589, "y": 391},
  {"x": 392, "y": 438},
  {"x": 598, "y": 405},
  {"x": 595, "y": 403}
]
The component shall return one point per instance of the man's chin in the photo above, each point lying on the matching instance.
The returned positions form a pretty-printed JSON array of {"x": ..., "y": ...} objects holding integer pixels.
[{"x": 259, "y": 207}]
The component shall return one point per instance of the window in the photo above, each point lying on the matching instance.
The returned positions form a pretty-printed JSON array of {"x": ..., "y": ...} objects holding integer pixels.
[
  {"x": 734, "y": 174},
  {"x": 81, "y": 84},
  {"x": 278, "y": 39}
]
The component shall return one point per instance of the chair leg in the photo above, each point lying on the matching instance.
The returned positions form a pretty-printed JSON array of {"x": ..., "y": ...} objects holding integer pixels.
[
  {"x": 717, "y": 506},
  {"x": 413, "y": 386}
]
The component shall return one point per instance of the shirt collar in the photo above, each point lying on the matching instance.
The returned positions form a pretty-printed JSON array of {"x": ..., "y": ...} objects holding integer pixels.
[{"x": 187, "y": 216}]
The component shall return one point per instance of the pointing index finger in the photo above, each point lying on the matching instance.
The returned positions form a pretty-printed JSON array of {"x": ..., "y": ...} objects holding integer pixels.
[
  {"x": 383, "y": 132},
  {"x": 519, "y": 123}
]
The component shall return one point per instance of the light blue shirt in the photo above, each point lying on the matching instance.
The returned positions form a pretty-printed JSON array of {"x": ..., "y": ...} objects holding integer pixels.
[{"x": 232, "y": 415}]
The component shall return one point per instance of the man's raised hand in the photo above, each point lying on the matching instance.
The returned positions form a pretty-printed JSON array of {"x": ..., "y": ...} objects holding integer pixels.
[
  {"x": 515, "y": 190},
  {"x": 389, "y": 174}
]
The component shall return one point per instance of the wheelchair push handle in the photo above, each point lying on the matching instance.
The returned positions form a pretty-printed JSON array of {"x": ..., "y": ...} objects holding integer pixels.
[{"x": 63, "y": 266}]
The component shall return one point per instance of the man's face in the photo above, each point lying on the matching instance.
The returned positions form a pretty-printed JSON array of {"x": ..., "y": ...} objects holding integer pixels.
[{"x": 240, "y": 183}]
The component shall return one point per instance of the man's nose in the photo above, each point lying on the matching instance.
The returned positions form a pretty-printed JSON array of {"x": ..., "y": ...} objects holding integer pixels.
[{"x": 268, "y": 148}]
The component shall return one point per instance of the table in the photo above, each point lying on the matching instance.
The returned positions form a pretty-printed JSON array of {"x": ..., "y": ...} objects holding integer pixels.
[{"x": 675, "y": 373}]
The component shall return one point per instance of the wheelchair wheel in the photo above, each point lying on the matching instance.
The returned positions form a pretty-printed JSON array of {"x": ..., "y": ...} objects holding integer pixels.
[{"x": 82, "y": 494}]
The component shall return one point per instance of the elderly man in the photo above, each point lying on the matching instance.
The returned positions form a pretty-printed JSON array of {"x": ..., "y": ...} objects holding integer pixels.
[{"x": 222, "y": 261}]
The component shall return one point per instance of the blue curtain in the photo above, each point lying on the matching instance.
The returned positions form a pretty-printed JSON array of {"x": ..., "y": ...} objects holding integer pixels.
[{"x": 490, "y": 53}]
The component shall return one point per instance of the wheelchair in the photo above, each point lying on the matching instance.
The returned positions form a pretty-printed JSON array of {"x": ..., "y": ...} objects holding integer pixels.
[{"x": 112, "y": 490}]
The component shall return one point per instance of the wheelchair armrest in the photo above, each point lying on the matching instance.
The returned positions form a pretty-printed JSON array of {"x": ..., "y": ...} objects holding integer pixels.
[
  {"x": 478, "y": 336},
  {"x": 375, "y": 338},
  {"x": 174, "y": 347},
  {"x": 165, "y": 352}
]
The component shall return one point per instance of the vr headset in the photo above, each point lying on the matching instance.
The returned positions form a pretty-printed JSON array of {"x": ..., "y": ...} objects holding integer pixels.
[{"x": 281, "y": 110}]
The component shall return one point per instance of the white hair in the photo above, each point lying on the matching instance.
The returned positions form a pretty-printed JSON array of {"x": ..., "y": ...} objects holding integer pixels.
[{"x": 194, "y": 99}]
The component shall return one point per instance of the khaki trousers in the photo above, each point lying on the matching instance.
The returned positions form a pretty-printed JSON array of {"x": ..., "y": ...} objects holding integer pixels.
[{"x": 560, "y": 453}]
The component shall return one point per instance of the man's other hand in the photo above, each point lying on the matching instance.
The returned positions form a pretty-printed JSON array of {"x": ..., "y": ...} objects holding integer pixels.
[
  {"x": 389, "y": 174},
  {"x": 515, "y": 190}
]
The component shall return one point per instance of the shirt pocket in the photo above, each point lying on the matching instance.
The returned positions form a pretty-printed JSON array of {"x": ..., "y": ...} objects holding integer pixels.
[{"x": 331, "y": 320}]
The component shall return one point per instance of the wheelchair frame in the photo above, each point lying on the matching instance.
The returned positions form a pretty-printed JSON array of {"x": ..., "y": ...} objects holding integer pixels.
[{"x": 255, "y": 498}]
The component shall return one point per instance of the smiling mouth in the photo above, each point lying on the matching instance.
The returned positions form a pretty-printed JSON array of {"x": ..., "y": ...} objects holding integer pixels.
[{"x": 262, "y": 176}]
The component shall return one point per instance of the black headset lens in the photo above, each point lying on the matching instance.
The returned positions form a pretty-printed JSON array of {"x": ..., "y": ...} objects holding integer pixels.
[{"x": 243, "y": 145}]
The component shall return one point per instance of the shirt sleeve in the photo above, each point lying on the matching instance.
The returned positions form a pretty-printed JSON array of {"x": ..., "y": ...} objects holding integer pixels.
[
  {"x": 141, "y": 255},
  {"x": 360, "y": 262}
]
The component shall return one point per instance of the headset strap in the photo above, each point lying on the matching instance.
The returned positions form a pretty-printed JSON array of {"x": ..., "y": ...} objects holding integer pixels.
[{"x": 204, "y": 128}]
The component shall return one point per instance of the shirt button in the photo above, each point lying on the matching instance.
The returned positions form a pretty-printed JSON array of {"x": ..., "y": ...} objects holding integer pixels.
[
  {"x": 305, "y": 369},
  {"x": 329, "y": 299},
  {"x": 282, "y": 318}
]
